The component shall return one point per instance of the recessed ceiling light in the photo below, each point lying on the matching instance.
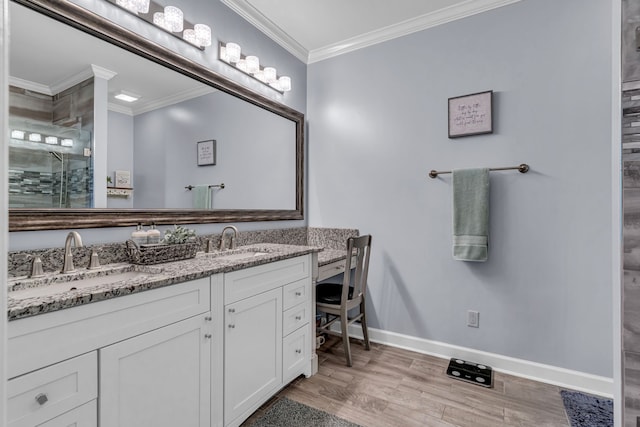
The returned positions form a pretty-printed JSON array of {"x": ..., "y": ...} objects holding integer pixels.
[{"x": 127, "y": 97}]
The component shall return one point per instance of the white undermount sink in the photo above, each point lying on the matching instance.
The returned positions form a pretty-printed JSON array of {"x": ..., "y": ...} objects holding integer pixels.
[{"x": 59, "y": 287}]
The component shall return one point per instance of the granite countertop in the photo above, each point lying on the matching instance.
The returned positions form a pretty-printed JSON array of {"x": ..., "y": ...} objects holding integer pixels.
[
  {"x": 327, "y": 256},
  {"x": 27, "y": 297}
]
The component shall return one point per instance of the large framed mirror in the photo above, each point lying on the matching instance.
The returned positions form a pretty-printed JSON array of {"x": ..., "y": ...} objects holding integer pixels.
[{"x": 70, "y": 136}]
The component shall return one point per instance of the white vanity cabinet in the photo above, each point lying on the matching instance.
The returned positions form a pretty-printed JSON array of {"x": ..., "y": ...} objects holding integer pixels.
[
  {"x": 149, "y": 351},
  {"x": 158, "y": 379},
  {"x": 266, "y": 333}
]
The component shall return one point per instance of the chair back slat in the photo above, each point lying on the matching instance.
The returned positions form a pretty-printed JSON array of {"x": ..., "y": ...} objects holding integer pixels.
[{"x": 361, "y": 248}]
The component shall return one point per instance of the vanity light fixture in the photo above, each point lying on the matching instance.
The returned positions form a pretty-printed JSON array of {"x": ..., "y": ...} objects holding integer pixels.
[
  {"x": 231, "y": 53},
  {"x": 66, "y": 142},
  {"x": 170, "y": 19},
  {"x": 52, "y": 140}
]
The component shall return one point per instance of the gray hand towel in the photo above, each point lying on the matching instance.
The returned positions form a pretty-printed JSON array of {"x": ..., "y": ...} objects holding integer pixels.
[{"x": 471, "y": 214}]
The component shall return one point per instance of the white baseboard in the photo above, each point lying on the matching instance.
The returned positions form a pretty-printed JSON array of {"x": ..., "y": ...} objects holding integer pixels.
[{"x": 588, "y": 383}]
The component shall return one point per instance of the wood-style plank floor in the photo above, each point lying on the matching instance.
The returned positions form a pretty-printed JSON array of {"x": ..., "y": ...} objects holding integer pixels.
[{"x": 398, "y": 388}]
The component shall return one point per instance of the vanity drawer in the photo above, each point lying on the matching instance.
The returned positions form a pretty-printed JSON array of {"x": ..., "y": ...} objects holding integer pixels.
[
  {"x": 48, "y": 392},
  {"x": 329, "y": 270},
  {"x": 251, "y": 281},
  {"x": 294, "y": 318},
  {"x": 295, "y": 353},
  {"x": 295, "y": 293}
]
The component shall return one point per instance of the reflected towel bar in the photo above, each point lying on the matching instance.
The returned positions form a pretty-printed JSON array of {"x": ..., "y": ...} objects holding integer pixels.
[
  {"x": 191, "y": 187},
  {"x": 523, "y": 168}
]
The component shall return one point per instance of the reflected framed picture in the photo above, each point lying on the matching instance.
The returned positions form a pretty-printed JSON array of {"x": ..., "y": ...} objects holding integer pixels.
[
  {"x": 471, "y": 114},
  {"x": 207, "y": 152}
]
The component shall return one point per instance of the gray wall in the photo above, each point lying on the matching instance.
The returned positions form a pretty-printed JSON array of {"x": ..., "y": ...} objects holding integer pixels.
[
  {"x": 378, "y": 123},
  {"x": 120, "y": 154},
  {"x": 226, "y": 26},
  {"x": 255, "y": 155}
]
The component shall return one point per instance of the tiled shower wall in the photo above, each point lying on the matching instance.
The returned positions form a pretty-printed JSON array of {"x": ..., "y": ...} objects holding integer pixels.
[
  {"x": 45, "y": 176},
  {"x": 631, "y": 291}
]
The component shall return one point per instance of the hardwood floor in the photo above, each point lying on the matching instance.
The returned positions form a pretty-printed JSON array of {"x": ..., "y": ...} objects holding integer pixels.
[{"x": 392, "y": 387}]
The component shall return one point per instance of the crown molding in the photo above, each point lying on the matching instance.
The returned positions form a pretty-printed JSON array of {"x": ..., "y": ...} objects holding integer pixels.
[
  {"x": 262, "y": 23},
  {"x": 419, "y": 23},
  {"x": 102, "y": 72},
  {"x": 71, "y": 81},
  {"x": 29, "y": 85},
  {"x": 112, "y": 106},
  {"x": 172, "y": 99},
  {"x": 413, "y": 25}
]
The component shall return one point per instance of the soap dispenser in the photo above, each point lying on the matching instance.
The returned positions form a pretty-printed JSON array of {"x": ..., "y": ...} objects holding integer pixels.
[
  {"x": 140, "y": 236},
  {"x": 153, "y": 235}
]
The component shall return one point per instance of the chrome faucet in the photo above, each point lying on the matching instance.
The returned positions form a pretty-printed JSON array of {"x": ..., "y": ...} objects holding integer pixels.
[
  {"x": 232, "y": 242},
  {"x": 68, "y": 256}
]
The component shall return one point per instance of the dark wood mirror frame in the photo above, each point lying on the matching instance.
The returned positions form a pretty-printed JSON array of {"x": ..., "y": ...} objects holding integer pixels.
[{"x": 89, "y": 22}]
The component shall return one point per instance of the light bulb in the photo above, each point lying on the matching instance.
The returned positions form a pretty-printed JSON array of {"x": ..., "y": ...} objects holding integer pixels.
[
  {"x": 130, "y": 5},
  {"x": 242, "y": 65},
  {"x": 51, "y": 140},
  {"x": 190, "y": 36},
  {"x": 233, "y": 52},
  {"x": 17, "y": 134},
  {"x": 66, "y": 142},
  {"x": 260, "y": 76},
  {"x": 253, "y": 64},
  {"x": 203, "y": 34},
  {"x": 270, "y": 74},
  {"x": 285, "y": 83},
  {"x": 158, "y": 19},
  {"x": 142, "y": 6},
  {"x": 173, "y": 19},
  {"x": 35, "y": 137}
]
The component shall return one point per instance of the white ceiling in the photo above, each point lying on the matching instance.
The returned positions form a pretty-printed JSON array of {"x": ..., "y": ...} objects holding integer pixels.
[{"x": 315, "y": 30}]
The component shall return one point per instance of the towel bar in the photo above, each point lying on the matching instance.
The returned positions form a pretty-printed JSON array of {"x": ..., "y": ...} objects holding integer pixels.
[
  {"x": 191, "y": 187},
  {"x": 523, "y": 168}
]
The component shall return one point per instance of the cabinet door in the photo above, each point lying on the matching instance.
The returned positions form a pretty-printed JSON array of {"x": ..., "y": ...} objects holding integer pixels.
[
  {"x": 161, "y": 378},
  {"x": 252, "y": 353},
  {"x": 295, "y": 355}
]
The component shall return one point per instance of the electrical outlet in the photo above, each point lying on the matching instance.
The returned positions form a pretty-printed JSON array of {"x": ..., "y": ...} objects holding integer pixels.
[{"x": 473, "y": 318}]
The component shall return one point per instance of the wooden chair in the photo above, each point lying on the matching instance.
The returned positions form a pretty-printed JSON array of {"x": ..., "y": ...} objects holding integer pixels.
[{"x": 337, "y": 299}]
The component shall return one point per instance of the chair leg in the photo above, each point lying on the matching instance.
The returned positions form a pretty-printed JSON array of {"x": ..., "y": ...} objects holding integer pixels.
[
  {"x": 365, "y": 330},
  {"x": 344, "y": 324}
]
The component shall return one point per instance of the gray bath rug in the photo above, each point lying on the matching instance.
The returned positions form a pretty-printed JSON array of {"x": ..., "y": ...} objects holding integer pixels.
[
  {"x": 288, "y": 413},
  {"x": 584, "y": 410}
]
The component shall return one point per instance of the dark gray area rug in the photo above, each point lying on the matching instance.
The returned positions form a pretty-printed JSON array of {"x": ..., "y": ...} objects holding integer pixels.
[
  {"x": 585, "y": 410},
  {"x": 286, "y": 412}
]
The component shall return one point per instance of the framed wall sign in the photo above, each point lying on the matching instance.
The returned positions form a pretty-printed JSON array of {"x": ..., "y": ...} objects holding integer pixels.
[
  {"x": 207, "y": 152},
  {"x": 471, "y": 114}
]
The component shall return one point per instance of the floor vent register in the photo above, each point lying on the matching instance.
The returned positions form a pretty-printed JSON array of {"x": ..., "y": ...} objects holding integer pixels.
[{"x": 471, "y": 372}]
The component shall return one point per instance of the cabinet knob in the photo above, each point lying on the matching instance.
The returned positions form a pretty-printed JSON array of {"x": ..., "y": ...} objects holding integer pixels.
[
  {"x": 298, "y": 293},
  {"x": 42, "y": 399},
  {"x": 298, "y": 317},
  {"x": 232, "y": 326},
  {"x": 208, "y": 318},
  {"x": 207, "y": 336},
  {"x": 298, "y": 351},
  {"x": 232, "y": 310}
]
